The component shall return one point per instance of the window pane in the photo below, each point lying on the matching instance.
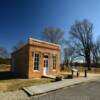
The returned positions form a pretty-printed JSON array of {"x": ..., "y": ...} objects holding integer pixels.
[
  {"x": 54, "y": 62},
  {"x": 36, "y": 62},
  {"x": 38, "y": 59}
]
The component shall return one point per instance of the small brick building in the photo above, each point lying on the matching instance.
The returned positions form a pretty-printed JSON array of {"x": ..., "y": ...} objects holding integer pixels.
[{"x": 36, "y": 59}]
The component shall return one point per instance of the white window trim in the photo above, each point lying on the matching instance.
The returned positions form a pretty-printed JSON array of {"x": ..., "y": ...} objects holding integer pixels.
[
  {"x": 33, "y": 62},
  {"x": 53, "y": 63},
  {"x": 54, "y": 70},
  {"x": 36, "y": 70}
]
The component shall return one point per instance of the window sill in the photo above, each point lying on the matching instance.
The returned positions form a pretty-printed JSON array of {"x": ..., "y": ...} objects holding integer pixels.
[
  {"x": 35, "y": 70},
  {"x": 54, "y": 69}
]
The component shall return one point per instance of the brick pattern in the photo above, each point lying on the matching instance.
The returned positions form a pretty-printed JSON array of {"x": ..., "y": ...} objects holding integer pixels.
[
  {"x": 25, "y": 63},
  {"x": 20, "y": 59}
]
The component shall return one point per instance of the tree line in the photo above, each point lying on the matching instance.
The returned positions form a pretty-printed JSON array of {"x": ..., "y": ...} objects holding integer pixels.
[
  {"x": 78, "y": 46},
  {"x": 4, "y": 56}
]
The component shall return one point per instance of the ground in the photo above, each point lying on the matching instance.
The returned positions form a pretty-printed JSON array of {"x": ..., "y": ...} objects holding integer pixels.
[
  {"x": 10, "y": 83},
  {"x": 83, "y": 91},
  {"x": 81, "y": 69}
]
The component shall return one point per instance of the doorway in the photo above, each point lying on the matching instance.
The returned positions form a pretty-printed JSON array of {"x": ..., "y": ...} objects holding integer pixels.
[{"x": 46, "y": 63}]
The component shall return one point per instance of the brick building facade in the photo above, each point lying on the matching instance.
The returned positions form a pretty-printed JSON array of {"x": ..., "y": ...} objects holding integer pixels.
[{"x": 36, "y": 59}]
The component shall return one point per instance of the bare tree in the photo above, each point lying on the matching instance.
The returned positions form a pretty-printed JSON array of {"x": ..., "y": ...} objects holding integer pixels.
[
  {"x": 81, "y": 34},
  {"x": 18, "y": 45},
  {"x": 96, "y": 52},
  {"x": 54, "y": 35},
  {"x": 68, "y": 56},
  {"x": 4, "y": 53}
]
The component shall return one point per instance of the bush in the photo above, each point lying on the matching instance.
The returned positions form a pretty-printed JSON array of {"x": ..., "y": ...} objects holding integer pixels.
[{"x": 5, "y": 61}]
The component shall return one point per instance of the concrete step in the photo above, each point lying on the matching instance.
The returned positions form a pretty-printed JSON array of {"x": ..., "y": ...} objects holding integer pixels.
[{"x": 49, "y": 76}]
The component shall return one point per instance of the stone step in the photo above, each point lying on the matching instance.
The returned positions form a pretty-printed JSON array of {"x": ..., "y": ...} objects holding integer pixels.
[{"x": 49, "y": 76}]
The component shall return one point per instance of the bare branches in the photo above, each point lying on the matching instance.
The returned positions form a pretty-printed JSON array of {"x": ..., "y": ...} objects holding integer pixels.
[
  {"x": 54, "y": 35},
  {"x": 96, "y": 52},
  {"x": 81, "y": 32},
  {"x": 18, "y": 45},
  {"x": 4, "y": 53}
]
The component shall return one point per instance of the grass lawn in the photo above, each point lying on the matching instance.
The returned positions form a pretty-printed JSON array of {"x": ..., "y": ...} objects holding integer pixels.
[
  {"x": 9, "y": 83},
  {"x": 92, "y": 72},
  {"x": 15, "y": 84},
  {"x": 81, "y": 69}
]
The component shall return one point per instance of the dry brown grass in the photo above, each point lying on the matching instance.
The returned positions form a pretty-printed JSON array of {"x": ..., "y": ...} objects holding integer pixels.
[
  {"x": 92, "y": 72},
  {"x": 9, "y": 83},
  {"x": 4, "y": 67},
  {"x": 81, "y": 69},
  {"x": 15, "y": 84}
]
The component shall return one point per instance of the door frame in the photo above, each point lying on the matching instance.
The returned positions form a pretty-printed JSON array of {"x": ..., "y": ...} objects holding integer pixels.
[{"x": 45, "y": 66}]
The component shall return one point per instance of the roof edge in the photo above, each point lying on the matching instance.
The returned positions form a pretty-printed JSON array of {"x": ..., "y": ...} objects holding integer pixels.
[
  {"x": 19, "y": 48},
  {"x": 41, "y": 41}
]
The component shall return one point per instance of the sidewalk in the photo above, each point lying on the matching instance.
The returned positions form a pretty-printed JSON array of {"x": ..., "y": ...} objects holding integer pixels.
[{"x": 34, "y": 90}]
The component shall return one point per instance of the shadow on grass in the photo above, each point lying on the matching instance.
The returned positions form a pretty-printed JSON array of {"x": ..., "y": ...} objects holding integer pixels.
[{"x": 6, "y": 75}]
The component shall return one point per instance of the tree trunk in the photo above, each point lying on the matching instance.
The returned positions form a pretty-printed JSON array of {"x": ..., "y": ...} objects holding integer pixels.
[{"x": 88, "y": 62}]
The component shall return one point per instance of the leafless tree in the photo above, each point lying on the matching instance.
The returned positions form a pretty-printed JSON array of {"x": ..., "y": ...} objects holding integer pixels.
[
  {"x": 4, "y": 53},
  {"x": 96, "y": 52},
  {"x": 81, "y": 35},
  {"x": 69, "y": 53},
  {"x": 54, "y": 35},
  {"x": 18, "y": 45},
  {"x": 68, "y": 56}
]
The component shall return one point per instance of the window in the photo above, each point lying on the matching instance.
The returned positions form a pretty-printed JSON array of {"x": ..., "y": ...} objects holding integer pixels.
[
  {"x": 36, "y": 61},
  {"x": 54, "y": 62}
]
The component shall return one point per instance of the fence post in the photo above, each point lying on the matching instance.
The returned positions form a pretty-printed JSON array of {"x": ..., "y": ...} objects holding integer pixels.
[
  {"x": 85, "y": 73},
  {"x": 72, "y": 73},
  {"x": 77, "y": 74}
]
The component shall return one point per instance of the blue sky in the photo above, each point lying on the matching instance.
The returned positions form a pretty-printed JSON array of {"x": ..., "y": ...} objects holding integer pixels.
[{"x": 21, "y": 19}]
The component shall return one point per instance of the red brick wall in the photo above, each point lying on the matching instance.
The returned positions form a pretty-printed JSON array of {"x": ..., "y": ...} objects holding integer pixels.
[
  {"x": 21, "y": 60},
  {"x": 43, "y": 48},
  {"x": 24, "y": 59}
]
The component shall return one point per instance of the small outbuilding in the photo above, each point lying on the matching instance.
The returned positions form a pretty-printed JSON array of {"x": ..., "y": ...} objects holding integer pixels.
[{"x": 36, "y": 59}]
